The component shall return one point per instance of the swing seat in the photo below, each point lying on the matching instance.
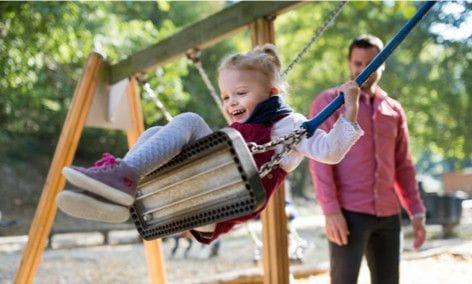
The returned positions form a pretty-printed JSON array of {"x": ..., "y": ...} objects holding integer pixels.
[{"x": 213, "y": 179}]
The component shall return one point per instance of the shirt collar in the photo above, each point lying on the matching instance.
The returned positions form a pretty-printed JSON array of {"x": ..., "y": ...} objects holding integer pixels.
[{"x": 269, "y": 110}]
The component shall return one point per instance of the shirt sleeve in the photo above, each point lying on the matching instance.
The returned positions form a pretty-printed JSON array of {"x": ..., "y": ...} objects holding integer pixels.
[
  {"x": 331, "y": 147},
  {"x": 406, "y": 186}
]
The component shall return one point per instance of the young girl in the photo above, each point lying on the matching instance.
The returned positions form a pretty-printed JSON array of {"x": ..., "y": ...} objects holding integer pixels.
[{"x": 251, "y": 87}]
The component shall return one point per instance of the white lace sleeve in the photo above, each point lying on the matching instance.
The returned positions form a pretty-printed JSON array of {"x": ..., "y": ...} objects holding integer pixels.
[{"x": 331, "y": 147}]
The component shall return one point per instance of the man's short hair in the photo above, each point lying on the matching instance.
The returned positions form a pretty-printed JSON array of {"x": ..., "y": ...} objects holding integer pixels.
[{"x": 366, "y": 41}]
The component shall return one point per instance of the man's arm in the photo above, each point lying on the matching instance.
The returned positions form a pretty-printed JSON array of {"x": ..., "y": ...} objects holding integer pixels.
[{"x": 406, "y": 186}]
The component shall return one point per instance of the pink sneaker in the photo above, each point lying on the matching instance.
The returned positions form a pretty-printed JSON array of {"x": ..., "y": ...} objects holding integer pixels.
[
  {"x": 86, "y": 205},
  {"x": 110, "y": 178}
]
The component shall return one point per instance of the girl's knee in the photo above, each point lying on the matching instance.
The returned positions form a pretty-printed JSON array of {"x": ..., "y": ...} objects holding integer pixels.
[
  {"x": 190, "y": 117},
  {"x": 193, "y": 122},
  {"x": 152, "y": 130}
]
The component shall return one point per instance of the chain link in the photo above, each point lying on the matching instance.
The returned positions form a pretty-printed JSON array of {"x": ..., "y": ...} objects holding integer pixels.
[
  {"x": 288, "y": 141},
  {"x": 329, "y": 21},
  {"x": 141, "y": 78},
  {"x": 194, "y": 56}
]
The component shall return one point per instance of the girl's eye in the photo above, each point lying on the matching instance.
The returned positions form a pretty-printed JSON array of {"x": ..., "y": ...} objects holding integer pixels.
[
  {"x": 225, "y": 98},
  {"x": 241, "y": 93}
]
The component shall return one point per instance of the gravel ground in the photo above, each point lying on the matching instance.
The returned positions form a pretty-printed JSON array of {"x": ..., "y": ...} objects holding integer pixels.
[
  {"x": 441, "y": 261},
  {"x": 84, "y": 258},
  {"x": 127, "y": 263}
]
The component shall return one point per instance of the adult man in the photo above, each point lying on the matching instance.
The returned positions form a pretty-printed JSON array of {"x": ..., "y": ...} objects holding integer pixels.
[{"x": 359, "y": 196}]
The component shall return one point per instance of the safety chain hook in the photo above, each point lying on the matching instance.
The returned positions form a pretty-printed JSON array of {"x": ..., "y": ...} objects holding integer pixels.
[{"x": 288, "y": 142}]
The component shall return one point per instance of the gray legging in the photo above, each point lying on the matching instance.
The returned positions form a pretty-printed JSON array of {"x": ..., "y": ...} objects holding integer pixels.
[{"x": 159, "y": 144}]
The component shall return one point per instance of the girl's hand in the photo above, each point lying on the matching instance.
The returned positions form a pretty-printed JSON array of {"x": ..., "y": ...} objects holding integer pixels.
[{"x": 351, "y": 99}]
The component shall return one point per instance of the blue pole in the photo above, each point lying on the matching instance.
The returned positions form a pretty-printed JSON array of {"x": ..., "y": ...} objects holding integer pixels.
[{"x": 378, "y": 60}]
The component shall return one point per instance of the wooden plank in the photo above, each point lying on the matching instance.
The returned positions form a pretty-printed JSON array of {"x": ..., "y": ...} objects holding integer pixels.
[
  {"x": 110, "y": 108},
  {"x": 136, "y": 114},
  {"x": 275, "y": 240},
  {"x": 202, "y": 34},
  {"x": 274, "y": 220},
  {"x": 154, "y": 252},
  {"x": 155, "y": 261},
  {"x": 63, "y": 156}
]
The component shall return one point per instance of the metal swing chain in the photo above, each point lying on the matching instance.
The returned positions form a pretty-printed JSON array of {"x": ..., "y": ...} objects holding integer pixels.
[
  {"x": 316, "y": 35},
  {"x": 147, "y": 88},
  {"x": 194, "y": 55},
  {"x": 290, "y": 140}
]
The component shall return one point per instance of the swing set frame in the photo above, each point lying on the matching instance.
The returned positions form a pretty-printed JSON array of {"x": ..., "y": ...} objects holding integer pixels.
[{"x": 97, "y": 80}]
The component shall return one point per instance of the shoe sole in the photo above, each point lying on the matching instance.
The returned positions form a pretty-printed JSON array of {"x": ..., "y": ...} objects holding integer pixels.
[
  {"x": 85, "y": 207},
  {"x": 92, "y": 185}
]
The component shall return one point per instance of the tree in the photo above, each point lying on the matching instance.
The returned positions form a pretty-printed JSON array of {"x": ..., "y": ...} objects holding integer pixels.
[{"x": 43, "y": 46}]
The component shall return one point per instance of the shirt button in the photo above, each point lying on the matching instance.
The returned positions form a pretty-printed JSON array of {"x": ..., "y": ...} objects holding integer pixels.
[{"x": 269, "y": 176}]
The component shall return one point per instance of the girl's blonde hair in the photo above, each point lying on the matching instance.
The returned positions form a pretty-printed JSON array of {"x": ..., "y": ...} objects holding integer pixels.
[{"x": 263, "y": 58}]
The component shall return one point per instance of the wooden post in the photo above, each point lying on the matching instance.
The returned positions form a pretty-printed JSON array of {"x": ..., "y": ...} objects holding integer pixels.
[
  {"x": 274, "y": 220},
  {"x": 155, "y": 259},
  {"x": 63, "y": 156}
]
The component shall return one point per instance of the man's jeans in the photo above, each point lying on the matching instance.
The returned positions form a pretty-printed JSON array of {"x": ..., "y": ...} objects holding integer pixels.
[{"x": 379, "y": 238}]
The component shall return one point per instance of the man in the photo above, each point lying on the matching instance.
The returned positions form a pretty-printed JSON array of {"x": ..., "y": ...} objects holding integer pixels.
[{"x": 359, "y": 196}]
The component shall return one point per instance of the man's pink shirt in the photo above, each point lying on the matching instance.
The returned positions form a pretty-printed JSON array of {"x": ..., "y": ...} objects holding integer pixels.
[{"x": 378, "y": 170}]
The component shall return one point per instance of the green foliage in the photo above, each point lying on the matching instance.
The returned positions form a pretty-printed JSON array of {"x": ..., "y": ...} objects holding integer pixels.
[
  {"x": 427, "y": 74},
  {"x": 43, "y": 47}
]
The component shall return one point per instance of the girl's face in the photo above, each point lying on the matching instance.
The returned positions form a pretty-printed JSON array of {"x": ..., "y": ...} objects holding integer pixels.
[{"x": 241, "y": 91}]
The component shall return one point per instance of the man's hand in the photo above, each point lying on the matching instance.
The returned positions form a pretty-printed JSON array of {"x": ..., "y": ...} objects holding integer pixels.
[
  {"x": 419, "y": 231},
  {"x": 336, "y": 229}
]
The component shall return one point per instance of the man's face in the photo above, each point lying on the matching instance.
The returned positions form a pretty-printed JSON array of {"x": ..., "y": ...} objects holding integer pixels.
[{"x": 360, "y": 58}]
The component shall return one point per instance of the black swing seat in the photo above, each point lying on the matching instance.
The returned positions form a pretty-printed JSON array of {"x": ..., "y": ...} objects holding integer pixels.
[{"x": 213, "y": 179}]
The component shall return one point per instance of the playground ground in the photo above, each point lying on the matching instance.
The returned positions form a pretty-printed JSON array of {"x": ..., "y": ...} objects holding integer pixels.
[{"x": 84, "y": 258}]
